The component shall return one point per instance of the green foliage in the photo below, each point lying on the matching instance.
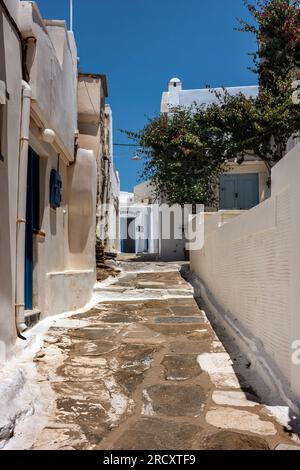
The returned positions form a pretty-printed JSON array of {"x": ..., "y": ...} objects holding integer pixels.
[
  {"x": 277, "y": 30},
  {"x": 261, "y": 126},
  {"x": 186, "y": 151},
  {"x": 180, "y": 157}
]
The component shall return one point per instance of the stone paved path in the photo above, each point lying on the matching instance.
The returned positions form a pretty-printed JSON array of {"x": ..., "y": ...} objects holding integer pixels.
[{"x": 147, "y": 371}]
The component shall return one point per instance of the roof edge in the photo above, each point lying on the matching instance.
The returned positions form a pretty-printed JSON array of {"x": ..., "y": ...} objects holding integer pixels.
[{"x": 102, "y": 77}]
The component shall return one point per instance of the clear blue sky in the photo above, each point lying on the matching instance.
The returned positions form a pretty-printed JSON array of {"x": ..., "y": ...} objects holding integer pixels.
[{"x": 141, "y": 44}]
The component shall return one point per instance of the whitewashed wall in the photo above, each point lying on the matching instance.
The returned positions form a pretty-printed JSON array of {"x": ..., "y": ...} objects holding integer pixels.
[
  {"x": 11, "y": 76},
  {"x": 64, "y": 250},
  {"x": 250, "y": 268},
  {"x": 52, "y": 63},
  {"x": 113, "y": 244}
]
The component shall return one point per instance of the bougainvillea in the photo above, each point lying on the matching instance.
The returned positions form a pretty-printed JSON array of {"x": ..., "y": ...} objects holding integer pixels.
[
  {"x": 186, "y": 151},
  {"x": 277, "y": 29},
  {"x": 181, "y": 156}
]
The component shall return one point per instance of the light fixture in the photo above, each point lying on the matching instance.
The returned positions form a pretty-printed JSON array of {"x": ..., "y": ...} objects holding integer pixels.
[{"x": 48, "y": 136}]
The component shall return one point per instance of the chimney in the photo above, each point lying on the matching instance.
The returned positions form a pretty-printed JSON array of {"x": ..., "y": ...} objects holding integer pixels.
[{"x": 175, "y": 85}]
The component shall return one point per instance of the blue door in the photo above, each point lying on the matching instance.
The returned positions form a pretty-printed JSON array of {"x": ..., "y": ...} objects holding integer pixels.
[
  {"x": 239, "y": 191},
  {"x": 32, "y": 223},
  {"x": 228, "y": 192}
]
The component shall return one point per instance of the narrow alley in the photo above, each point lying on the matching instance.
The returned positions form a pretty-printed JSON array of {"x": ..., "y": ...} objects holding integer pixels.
[
  {"x": 149, "y": 241},
  {"x": 145, "y": 371}
]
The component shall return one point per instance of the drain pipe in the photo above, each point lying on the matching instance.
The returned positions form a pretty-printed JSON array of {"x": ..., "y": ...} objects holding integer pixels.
[{"x": 21, "y": 211}]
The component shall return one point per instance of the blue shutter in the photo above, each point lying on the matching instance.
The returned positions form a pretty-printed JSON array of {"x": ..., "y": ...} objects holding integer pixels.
[
  {"x": 239, "y": 191},
  {"x": 55, "y": 190}
]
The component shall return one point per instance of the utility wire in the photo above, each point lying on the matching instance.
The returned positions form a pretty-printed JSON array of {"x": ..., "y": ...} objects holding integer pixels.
[{"x": 126, "y": 145}]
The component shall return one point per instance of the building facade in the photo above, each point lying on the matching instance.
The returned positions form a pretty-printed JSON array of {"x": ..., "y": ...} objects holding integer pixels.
[
  {"x": 95, "y": 123},
  {"x": 139, "y": 222},
  {"x": 110, "y": 201},
  {"x": 48, "y": 174}
]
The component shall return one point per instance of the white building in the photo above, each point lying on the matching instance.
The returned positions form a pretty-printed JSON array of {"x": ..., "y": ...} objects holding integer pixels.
[
  {"x": 138, "y": 223},
  {"x": 95, "y": 124},
  {"x": 244, "y": 185},
  {"x": 111, "y": 195}
]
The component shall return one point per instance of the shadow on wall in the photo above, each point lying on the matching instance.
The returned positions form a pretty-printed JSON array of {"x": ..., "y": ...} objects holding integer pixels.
[
  {"x": 89, "y": 128},
  {"x": 44, "y": 195},
  {"x": 44, "y": 191},
  {"x": 81, "y": 201}
]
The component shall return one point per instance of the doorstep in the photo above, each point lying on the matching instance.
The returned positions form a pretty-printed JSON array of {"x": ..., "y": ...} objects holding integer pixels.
[{"x": 32, "y": 317}]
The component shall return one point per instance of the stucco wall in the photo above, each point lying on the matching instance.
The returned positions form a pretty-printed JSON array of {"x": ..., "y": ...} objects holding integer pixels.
[
  {"x": 64, "y": 249},
  {"x": 91, "y": 124},
  {"x": 172, "y": 249},
  {"x": 113, "y": 244},
  {"x": 91, "y": 105},
  {"x": 11, "y": 75},
  {"x": 144, "y": 193},
  {"x": 64, "y": 258},
  {"x": 250, "y": 268},
  {"x": 12, "y": 6},
  {"x": 49, "y": 250},
  {"x": 68, "y": 291},
  {"x": 82, "y": 188},
  {"x": 52, "y": 64}
]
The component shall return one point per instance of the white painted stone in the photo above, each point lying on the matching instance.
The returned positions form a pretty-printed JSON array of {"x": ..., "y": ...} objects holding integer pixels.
[
  {"x": 284, "y": 416},
  {"x": 287, "y": 447},
  {"x": 72, "y": 324},
  {"x": 280, "y": 413},
  {"x": 225, "y": 381},
  {"x": 2, "y": 92},
  {"x": 217, "y": 347},
  {"x": 150, "y": 284},
  {"x": 219, "y": 367},
  {"x": 147, "y": 407},
  {"x": 119, "y": 403},
  {"x": 215, "y": 363},
  {"x": 229, "y": 418},
  {"x": 232, "y": 399}
]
